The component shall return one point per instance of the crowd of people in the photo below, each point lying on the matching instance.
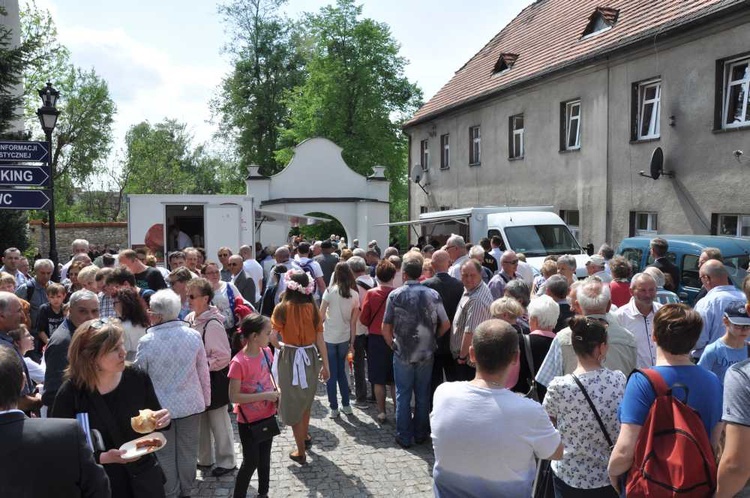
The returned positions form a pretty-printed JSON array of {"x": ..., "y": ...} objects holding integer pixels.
[{"x": 523, "y": 380}]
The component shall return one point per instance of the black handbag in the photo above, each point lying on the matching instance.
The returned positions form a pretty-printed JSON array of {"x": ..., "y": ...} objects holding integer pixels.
[
  {"x": 267, "y": 428},
  {"x": 543, "y": 485},
  {"x": 219, "y": 379},
  {"x": 533, "y": 389}
]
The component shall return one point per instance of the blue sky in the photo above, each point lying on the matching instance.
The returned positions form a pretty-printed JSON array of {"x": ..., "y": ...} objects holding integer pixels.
[{"x": 162, "y": 58}]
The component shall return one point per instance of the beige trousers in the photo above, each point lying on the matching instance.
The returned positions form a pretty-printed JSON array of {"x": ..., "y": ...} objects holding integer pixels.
[{"x": 216, "y": 440}]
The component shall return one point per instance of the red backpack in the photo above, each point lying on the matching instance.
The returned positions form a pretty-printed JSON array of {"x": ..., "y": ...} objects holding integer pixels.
[{"x": 673, "y": 454}]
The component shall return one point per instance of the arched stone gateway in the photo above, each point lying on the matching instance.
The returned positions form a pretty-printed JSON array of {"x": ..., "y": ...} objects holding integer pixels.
[{"x": 318, "y": 180}]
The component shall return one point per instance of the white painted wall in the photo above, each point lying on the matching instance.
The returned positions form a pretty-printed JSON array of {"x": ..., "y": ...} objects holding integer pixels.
[{"x": 318, "y": 180}]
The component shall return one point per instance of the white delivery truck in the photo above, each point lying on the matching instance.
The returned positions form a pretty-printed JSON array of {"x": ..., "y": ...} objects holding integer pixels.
[
  {"x": 165, "y": 223},
  {"x": 536, "y": 231}
]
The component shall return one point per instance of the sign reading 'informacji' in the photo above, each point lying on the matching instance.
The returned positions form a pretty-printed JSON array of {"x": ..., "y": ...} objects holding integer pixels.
[{"x": 22, "y": 151}]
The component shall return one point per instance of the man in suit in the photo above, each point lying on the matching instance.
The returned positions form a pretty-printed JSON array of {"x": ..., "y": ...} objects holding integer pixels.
[
  {"x": 659, "y": 248},
  {"x": 239, "y": 278},
  {"x": 557, "y": 288},
  {"x": 450, "y": 291},
  {"x": 42, "y": 457}
]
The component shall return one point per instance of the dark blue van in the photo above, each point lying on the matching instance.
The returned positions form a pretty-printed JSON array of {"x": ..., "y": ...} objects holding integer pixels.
[{"x": 684, "y": 251}]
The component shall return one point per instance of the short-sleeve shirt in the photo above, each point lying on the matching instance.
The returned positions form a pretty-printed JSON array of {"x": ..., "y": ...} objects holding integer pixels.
[
  {"x": 337, "y": 327},
  {"x": 48, "y": 320},
  {"x": 296, "y": 323},
  {"x": 718, "y": 357},
  {"x": 704, "y": 394},
  {"x": 584, "y": 463},
  {"x": 373, "y": 309},
  {"x": 737, "y": 401},
  {"x": 473, "y": 309},
  {"x": 414, "y": 311},
  {"x": 486, "y": 441},
  {"x": 254, "y": 374}
]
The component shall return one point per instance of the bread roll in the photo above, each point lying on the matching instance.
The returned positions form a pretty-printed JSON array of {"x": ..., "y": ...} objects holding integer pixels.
[{"x": 144, "y": 423}]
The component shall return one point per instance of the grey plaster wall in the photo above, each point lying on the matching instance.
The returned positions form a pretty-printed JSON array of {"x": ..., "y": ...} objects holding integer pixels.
[{"x": 601, "y": 179}]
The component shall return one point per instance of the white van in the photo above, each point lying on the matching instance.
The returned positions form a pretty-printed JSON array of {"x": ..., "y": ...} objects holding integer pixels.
[{"x": 536, "y": 231}]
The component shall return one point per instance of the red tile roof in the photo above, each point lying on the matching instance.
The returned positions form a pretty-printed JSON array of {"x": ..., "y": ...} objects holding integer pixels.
[{"x": 546, "y": 35}]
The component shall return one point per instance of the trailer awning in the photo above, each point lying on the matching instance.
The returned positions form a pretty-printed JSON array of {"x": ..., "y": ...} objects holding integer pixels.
[
  {"x": 430, "y": 221},
  {"x": 266, "y": 215}
]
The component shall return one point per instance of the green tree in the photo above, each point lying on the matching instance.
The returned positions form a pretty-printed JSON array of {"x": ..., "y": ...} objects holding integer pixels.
[
  {"x": 355, "y": 94},
  {"x": 267, "y": 65},
  {"x": 82, "y": 138},
  {"x": 13, "y": 59},
  {"x": 159, "y": 159}
]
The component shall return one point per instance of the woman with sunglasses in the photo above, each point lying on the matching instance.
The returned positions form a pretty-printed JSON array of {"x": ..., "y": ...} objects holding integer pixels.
[
  {"x": 102, "y": 386},
  {"x": 174, "y": 357},
  {"x": 224, "y": 294},
  {"x": 214, "y": 422}
]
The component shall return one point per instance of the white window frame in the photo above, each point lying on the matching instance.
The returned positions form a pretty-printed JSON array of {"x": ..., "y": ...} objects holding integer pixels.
[
  {"x": 743, "y": 224},
  {"x": 445, "y": 151},
  {"x": 424, "y": 154},
  {"x": 475, "y": 144},
  {"x": 654, "y": 128},
  {"x": 517, "y": 132},
  {"x": 652, "y": 223},
  {"x": 745, "y": 83},
  {"x": 569, "y": 119}
]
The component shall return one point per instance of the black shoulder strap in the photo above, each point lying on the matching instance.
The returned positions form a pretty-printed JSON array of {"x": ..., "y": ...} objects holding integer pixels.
[
  {"x": 593, "y": 409},
  {"x": 363, "y": 285},
  {"x": 529, "y": 358},
  {"x": 205, "y": 326}
]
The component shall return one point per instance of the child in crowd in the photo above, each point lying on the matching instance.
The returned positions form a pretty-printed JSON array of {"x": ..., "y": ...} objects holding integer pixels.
[
  {"x": 732, "y": 347},
  {"x": 253, "y": 392},
  {"x": 50, "y": 314}
]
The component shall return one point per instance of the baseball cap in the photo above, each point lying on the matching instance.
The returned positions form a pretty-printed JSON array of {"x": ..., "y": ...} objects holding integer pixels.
[
  {"x": 736, "y": 313},
  {"x": 596, "y": 259}
]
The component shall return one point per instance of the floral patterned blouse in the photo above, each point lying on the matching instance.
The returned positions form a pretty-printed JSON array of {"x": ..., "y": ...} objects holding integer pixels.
[{"x": 584, "y": 463}]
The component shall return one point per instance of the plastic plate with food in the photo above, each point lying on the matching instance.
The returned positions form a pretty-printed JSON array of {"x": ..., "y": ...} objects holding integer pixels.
[{"x": 143, "y": 445}]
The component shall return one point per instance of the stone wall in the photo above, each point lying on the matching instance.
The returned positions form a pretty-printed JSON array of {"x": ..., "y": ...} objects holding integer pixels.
[{"x": 113, "y": 235}]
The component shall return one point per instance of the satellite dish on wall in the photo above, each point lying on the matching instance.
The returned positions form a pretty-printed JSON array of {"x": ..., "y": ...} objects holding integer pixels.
[
  {"x": 656, "y": 168},
  {"x": 416, "y": 174}
]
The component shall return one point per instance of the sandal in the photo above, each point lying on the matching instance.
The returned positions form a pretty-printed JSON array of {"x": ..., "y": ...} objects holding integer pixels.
[{"x": 300, "y": 459}]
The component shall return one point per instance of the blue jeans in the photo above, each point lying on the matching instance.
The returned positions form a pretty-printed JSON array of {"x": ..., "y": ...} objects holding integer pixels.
[
  {"x": 337, "y": 363},
  {"x": 410, "y": 377}
]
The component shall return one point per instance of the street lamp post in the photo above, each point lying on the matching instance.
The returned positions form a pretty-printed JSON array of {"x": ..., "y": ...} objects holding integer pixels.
[{"x": 48, "y": 114}]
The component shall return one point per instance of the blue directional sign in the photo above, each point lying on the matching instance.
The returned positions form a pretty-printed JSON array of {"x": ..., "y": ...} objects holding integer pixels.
[
  {"x": 24, "y": 199},
  {"x": 22, "y": 175},
  {"x": 16, "y": 151}
]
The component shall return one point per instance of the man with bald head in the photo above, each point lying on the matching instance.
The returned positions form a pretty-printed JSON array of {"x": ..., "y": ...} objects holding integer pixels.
[
  {"x": 253, "y": 270},
  {"x": 721, "y": 292},
  {"x": 450, "y": 291},
  {"x": 239, "y": 278},
  {"x": 508, "y": 271},
  {"x": 637, "y": 315}
]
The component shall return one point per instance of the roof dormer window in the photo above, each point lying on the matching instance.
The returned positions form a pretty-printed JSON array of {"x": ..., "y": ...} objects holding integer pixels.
[
  {"x": 504, "y": 63},
  {"x": 602, "y": 19}
]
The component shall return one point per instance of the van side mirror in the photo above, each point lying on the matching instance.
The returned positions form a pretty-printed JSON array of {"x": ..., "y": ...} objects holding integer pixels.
[{"x": 590, "y": 249}]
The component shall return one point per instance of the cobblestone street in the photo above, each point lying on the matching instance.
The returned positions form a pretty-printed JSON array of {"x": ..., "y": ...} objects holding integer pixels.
[{"x": 351, "y": 456}]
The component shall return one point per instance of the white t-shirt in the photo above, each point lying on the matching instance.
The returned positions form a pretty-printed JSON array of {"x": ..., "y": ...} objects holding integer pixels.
[
  {"x": 253, "y": 270},
  {"x": 132, "y": 334},
  {"x": 337, "y": 326},
  {"x": 485, "y": 441}
]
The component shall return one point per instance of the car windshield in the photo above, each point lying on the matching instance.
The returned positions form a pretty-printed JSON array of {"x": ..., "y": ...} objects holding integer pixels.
[{"x": 542, "y": 240}]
